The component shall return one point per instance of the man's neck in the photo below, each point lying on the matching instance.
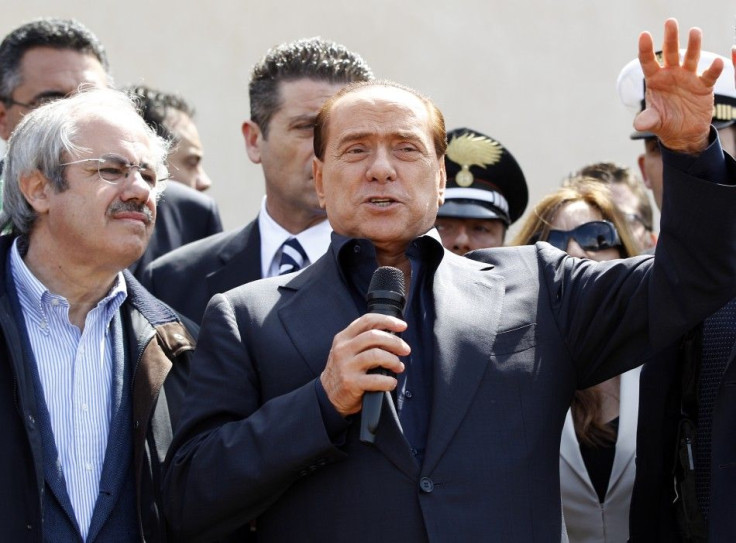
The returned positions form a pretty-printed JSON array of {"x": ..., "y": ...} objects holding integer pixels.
[
  {"x": 82, "y": 286},
  {"x": 294, "y": 221}
]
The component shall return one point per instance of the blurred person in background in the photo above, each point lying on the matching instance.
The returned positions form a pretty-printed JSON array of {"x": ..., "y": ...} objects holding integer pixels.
[
  {"x": 184, "y": 213},
  {"x": 598, "y": 447},
  {"x": 630, "y": 196},
  {"x": 486, "y": 192}
]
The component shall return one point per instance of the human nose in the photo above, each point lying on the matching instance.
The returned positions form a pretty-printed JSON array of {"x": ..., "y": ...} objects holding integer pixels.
[
  {"x": 381, "y": 168},
  {"x": 136, "y": 186},
  {"x": 574, "y": 249},
  {"x": 461, "y": 244},
  {"x": 203, "y": 181}
]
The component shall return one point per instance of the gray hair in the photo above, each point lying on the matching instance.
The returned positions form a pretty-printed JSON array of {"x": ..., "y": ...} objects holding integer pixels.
[{"x": 46, "y": 138}]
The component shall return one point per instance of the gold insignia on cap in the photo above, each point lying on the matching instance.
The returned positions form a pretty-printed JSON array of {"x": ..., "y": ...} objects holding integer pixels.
[{"x": 471, "y": 150}]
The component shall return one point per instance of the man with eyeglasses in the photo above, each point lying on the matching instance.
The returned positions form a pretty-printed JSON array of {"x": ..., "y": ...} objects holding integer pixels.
[
  {"x": 92, "y": 367},
  {"x": 44, "y": 60},
  {"x": 185, "y": 214}
]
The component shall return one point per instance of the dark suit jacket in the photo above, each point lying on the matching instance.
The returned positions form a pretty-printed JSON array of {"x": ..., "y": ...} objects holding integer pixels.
[
  {"x": 189, "y": 276},
  {"x": 183, "y": 215},
  {"x": 513, "y": 337}
]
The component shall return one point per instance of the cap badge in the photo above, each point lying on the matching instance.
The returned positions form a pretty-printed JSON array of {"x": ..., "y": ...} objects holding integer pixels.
[{"x": 471, "y": 150}]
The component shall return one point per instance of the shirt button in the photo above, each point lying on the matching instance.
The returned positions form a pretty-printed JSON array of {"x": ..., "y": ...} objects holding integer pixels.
[
  {"x": 426, "y": 484},
  {"x": 88, "y": 466},
  {"x": 408, "y": 394},
  {"x": 85, "y": 407},
  {"x": 54, "y": 302}
]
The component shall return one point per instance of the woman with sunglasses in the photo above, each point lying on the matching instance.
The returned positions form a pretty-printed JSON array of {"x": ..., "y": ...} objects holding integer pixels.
[{"x": 599, "y": 438}]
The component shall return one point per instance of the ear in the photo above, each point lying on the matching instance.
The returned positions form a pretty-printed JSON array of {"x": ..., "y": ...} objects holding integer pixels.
[
  {"x": 443, "y": 182},
  {"x": 253, "y": 138},
  {"x": 4, "y": 122},
  {"x": 36, "y": 190},
  {"x": 317, "y": 167},
  {"x": 643, "y": 171}
]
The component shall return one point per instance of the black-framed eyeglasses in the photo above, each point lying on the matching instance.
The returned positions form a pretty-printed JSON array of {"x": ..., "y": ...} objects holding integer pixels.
[
  {"x": 591, "y": 236},
  {"x": 113, "y": 168},
  {"x": 37, "y": 102}
]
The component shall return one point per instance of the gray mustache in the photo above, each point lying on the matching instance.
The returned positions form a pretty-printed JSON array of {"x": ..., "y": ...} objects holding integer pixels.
[{"x": 130, "y": 205}]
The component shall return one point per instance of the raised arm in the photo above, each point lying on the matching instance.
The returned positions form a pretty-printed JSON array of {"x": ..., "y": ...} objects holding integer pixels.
[{"x": 679, "y": 102}]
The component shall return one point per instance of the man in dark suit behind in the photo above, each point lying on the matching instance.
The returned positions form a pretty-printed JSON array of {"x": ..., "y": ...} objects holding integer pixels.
[
  {"x": 287, "y": 88},
  {"x": 491, "y": 350},
  {"x": 184, "y": 215}
]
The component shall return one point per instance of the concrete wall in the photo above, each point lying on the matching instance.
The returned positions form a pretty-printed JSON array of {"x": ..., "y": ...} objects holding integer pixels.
[{"x": 538, "y": 76}]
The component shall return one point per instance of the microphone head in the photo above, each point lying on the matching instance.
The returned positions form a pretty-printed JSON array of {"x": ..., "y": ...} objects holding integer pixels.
[{"x": 387, "y": 278}]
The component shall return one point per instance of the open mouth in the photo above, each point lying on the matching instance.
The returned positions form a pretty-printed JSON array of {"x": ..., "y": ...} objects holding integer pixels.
[{"x": 381, "y": 202}]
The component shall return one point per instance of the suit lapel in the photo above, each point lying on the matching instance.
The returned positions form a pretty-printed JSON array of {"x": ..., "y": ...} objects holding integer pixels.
[
  {"x": 241, "y": 261},
  {"x": 468, "y": 303},
  {"x": 627, "y": 423},
  {"x": 571, "y": 455},
  {"x": 311, "y": 324},
  {"x": 310, "y": 319}
]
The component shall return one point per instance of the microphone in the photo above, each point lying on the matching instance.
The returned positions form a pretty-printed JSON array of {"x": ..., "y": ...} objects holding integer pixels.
[{"x": 385, "y": 297}]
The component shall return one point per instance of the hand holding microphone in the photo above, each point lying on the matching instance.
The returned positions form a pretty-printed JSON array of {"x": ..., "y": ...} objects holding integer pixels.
[{"x": 367, "y": 344}]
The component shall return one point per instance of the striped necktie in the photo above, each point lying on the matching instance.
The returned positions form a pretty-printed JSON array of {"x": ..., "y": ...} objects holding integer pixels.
[{"x": 293, "y": 256}]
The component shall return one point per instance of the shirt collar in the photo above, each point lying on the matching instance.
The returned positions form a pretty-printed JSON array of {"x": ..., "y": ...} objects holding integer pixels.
[
  {"x": 34, "y": 297},
  {"x": 348, "y": 251},
  {"x": 314, "y": 239}
]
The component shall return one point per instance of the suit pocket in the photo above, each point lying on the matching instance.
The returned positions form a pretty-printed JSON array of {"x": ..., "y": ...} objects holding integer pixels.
[{"x": 515, "y": 340}]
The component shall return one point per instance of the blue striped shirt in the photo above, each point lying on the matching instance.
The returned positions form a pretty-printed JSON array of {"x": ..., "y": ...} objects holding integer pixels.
[{"x": 76, "y": 376}]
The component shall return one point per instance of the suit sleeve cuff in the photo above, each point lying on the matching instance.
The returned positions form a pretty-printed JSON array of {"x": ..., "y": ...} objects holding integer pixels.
[
  {"x": 335, "y": 424},
  {"x": 710, "y": 165}
]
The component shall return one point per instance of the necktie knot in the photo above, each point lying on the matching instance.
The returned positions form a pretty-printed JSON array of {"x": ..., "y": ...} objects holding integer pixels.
[{"x": 293, "y": 256}]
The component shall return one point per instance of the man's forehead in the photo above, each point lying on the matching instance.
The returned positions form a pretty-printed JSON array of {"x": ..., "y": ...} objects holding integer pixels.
[
  {"x": 373, "y": 104},
  {"x": 106, "y": 129}
]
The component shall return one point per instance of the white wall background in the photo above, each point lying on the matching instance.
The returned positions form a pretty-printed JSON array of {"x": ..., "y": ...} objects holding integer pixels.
[{"x": 537, "y": 75}]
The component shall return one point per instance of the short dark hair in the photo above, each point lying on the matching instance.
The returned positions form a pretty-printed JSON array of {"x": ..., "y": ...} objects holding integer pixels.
[
  {"x": 154, "y": 106},
  {"x": 437, "y": 120},
  {"x": 45, "y": 32},
  {"x": 311, "y": 58}
]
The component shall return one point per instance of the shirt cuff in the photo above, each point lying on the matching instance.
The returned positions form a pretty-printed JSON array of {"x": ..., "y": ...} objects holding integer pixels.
[
  {"x": 335, "y": 424},
  {"x": 710, "y": 165}
]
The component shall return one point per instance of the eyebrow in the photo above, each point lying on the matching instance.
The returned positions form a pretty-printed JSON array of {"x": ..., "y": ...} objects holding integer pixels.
[
  {"x": 399, "y": 134},
  {"x": 49, "y": 94},
  {"x": 311, "y": 118}
]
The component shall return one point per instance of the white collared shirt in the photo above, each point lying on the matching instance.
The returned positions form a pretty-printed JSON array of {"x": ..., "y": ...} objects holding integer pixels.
[
  {"x": 314, "y": 240},
  {"x": 75, "y": 371}
]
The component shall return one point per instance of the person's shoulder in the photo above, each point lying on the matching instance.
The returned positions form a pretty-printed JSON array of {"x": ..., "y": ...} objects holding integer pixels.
[
  {"x": 201, "y": 250},
  {"x": 179, "y": 196}
]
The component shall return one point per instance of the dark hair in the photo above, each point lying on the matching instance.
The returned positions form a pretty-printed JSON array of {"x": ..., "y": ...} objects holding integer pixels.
[
  {"x": 154, "y": 106},
  {"x": 46, "y": 32},
  {"x": 312, "y": 58},
  {"x": 437, "y": 121}
]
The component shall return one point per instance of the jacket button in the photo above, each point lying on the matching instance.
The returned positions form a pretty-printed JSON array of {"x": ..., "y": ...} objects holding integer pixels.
[
  {"x": 31, "y": 420},
  {"x": 426, "y": 484}
]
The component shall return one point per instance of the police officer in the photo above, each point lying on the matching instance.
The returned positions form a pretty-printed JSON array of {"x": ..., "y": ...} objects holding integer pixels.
[{"x": 486, "y": 192}]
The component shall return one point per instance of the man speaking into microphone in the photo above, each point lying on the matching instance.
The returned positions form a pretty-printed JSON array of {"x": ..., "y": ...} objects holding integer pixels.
[{"x": 485, "y": 359}]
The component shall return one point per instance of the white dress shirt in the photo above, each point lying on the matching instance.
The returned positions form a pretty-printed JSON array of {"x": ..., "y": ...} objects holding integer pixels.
[
  {"x": 314, "y": 240},
  {"x": 75, "y": 369}
]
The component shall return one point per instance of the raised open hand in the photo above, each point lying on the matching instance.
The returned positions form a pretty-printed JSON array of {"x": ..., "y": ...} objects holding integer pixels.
[{"x": 679, "y": 102}]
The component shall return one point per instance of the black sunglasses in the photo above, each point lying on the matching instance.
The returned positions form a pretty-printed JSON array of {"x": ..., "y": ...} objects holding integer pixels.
[{"x": 591, "y": 236}]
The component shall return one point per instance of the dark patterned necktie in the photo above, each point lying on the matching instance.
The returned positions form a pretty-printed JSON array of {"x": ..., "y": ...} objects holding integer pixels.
[
  {"x": 293, "y": 256},
  {"x": 719, "y": 335}
]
